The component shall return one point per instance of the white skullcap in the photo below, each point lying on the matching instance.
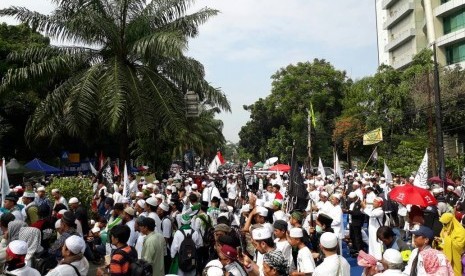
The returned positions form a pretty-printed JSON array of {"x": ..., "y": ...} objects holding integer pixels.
[
  {"x": 55, "y": 191},
  {"x": 190, "y": 179},
  {"x": 73, "y": 200},
  {"x": 268, "y": 205},
  {"x": 245, "y": 208},
  {"x": 261, "y": 233},
  {"x": 92, "y": 221},
  {"x": 58, "y": 224},
  {"x": 411, "y": 178},
  {"x": 214, "y": 268},
  {"x": 96, "y": 229},
  {"x": 382, "y": 178},
  {"x": 142, "y": 178},
  {"x": 194, "y": 186},
  {"x": 151, "y": 201},
  {"x": 160, "y": 196},
  {"x": 338, "y": 196},
  {"x": 144, "y": 187},
  {"x": 41, "y": 189},
  {"x": 450, "y": 188},
  {"x": 29, "y": 194},
  {"x": 125, "y": 200},
  {"x": 352, "y": 195},
  {"x": 150, "y": 186},
  {"x": 204, "y": 183},
  {"x": 156, "y": 182},
  {"x": 437, "y": 191},
  {"x": 140, "y": 194},
  {"x": 393, "y": 256},
  {"x": 164, "y": 206},
  {"x": 186, "y": 181},
  {"x": 61, "y": 212},
  {"x": 75, "y": 244},
  {"x": 18, "y": 247},
  {"x": 325, "y": 194},
  {"x": 141, "y": 203},
  {"x": 296, "y": 233},
  {"x": 170, "y": 188},
  {"x": 262, "y": 211},
  {"x": 328, "y": 240}
]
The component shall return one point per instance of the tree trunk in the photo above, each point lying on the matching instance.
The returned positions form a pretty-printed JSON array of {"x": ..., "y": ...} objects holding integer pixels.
[{"x": 124, "y": 150}]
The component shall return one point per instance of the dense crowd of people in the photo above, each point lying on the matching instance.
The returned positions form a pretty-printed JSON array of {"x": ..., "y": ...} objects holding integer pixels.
[{"x": 233, "y": 224}]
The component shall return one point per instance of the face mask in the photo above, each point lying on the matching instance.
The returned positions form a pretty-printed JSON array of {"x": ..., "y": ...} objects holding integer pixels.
[{"x": 318, "y": 229}]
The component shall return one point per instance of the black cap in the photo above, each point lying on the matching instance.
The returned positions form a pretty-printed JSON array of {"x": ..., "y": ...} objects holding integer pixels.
[
  {"x": 280, "y": 224},
  {"x": 325, "y": 219},
  {"x": 69, "y": 218},
  {"x": 12, "y": 197}
]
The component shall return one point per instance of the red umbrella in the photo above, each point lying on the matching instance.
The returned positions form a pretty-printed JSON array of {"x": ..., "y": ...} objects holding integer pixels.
[
  {"x": 280, "y": 167},
  {"x": 409, "y": 194},
  {"x": 437, "y": 179}
]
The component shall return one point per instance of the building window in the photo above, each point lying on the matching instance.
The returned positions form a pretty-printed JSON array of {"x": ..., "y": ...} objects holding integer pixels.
[
  {"x": 454, "y": 22},
  {"x": 455, "y": 53},
  {"x": 444, "y": 1}
]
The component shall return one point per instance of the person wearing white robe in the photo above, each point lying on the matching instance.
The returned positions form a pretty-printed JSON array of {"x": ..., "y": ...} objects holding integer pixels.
[{"x": 376, "y": 220}]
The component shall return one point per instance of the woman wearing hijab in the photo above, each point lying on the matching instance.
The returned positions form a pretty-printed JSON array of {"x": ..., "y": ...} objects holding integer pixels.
[{"x": 452, "y": 241}]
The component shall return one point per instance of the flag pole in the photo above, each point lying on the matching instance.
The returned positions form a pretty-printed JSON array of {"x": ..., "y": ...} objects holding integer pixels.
[{"x": 370, "y": 157}]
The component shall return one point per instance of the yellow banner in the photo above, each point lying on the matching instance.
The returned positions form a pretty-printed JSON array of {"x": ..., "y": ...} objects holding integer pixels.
[{"x": 373, "y": 137}]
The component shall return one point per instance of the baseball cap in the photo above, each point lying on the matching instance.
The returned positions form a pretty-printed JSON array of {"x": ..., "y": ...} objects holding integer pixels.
[{"x": 424, "y": 232}]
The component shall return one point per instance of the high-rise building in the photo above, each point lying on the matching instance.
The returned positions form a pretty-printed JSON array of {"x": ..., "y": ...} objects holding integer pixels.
[{"x": 405, "y": 27}]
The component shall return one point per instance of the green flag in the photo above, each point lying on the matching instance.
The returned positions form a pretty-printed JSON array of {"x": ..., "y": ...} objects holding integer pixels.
[{"x": 312, "y": 115}]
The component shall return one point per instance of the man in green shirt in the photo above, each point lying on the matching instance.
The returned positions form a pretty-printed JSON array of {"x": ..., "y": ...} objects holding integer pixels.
[{"x": 153, "y": 249}]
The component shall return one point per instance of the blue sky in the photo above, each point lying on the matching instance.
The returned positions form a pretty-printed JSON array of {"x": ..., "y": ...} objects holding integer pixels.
[{"x": 251, "y": 39}]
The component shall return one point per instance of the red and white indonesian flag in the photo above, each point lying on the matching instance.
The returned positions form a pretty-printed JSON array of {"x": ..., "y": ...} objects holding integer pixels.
[
  {"x": 217, "y": 161},
  {"x": 249, "y": 163}
]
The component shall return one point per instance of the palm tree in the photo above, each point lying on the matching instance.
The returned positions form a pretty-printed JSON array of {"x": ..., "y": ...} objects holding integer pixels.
[{"x": 127, "y": 65}]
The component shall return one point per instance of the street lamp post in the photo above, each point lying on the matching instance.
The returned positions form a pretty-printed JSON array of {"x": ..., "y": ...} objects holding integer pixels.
[{"x": 438, "y": 119}]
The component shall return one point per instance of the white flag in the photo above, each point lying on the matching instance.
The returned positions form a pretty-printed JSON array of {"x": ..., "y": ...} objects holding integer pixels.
[
  {"x": 5, "y": 184},
  {"x": 338, "y": 171},
  {"x": 321, "y": 169},
  {"x": 92, "y": 169},
  {"x": 387, "y": 174},
  {"x": 126, "y": 182},
  {"x": 422, "y": 174}
]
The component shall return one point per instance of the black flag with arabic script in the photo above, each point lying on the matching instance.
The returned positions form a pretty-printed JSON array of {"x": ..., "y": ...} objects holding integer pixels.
[
  {"x": 106, "y": 176},
  {"x": 297, "y": 187}
]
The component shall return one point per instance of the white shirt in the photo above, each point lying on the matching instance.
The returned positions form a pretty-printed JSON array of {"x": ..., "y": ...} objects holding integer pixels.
[
  {"x": 305, "y": 261},
  {"x": 394, "y": 272},
  {"x": 179, "y": 237},
  {"x": 209, "y": 193},
  {"x": 61, "y": 200},
  {"x": 133, "y": 236},
  {"x": 25, "y": 271},
  {"x": 139, "y": 245},
  {"x": 232, "y": 190},
  {"x": 331, "y": 265},
  {"x": 420, "y": 268},
  {"x": 324, "y": 207},
  {"x": 157, "y": 220},
  {"x": 286, "y": 249},
  {"x": 67, "y": 270},
  {"x": 336, "y": 214},
  {"x": 133, "y": 187}
]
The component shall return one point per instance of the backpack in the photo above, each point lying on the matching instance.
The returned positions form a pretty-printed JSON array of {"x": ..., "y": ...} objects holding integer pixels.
[
  {"x": 138, "y": 267},
  {"x": 187, "y": 253},
  {"x": 208, "y": 236}
]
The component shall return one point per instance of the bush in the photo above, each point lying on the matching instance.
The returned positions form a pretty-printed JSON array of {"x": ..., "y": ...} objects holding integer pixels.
[{"x": 81, "y": 188}]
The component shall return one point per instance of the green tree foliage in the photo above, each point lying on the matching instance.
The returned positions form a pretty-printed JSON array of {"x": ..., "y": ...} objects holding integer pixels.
[
  {"x": 130, "y": 77},
  {"x": 281, "y": 119},
  {"x": 17, "y": 105},
  {"x": 81, "y": 188}
]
